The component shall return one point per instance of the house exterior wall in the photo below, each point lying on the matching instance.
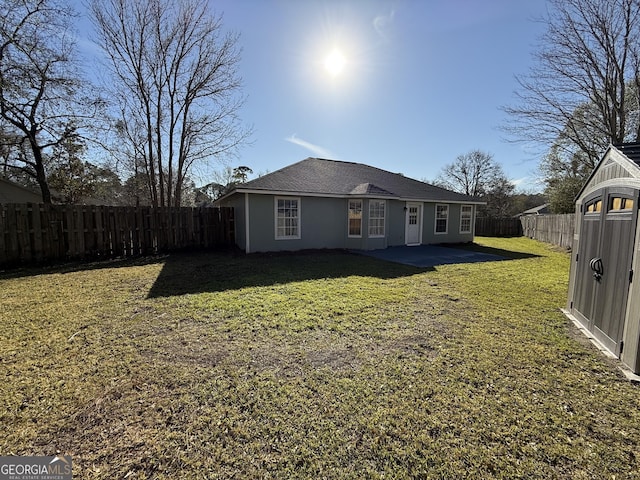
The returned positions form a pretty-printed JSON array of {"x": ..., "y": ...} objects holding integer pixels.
[
  {"x": 453, "y": 235},
  {"x": 396, "y": 223},
  {"x": 324, "y": 224}
]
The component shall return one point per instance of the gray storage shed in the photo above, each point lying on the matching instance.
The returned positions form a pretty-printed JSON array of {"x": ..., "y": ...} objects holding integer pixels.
[{"x": 604, "y": 296}]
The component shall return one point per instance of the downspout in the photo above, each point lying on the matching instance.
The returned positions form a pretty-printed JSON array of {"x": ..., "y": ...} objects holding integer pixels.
[{"x": 247, "y": 245}]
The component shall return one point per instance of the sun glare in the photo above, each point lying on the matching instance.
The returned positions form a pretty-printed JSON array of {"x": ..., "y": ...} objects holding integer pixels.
[{"x": 335, "y": 63}]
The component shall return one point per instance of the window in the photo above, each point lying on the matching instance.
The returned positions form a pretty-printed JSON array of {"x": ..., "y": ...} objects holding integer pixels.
[
  {"x": 355, "y": 218},
  {"x": 413, "y": 215},
  {"x": 466, "y": 214},
  {"x": 595, "y": 206},
  {"x": 287, "y": 218},
  {"x": 442, "y": 218},
  {"x": 376, "y": 218},
  {"x": 620, "y": 204}
]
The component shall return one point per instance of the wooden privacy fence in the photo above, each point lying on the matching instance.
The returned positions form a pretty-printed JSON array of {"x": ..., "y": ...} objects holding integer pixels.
[
  {"x": 554, "y": 229},
  {"x": 498, "y": 227},
  {"x": 37, "y": 232}
]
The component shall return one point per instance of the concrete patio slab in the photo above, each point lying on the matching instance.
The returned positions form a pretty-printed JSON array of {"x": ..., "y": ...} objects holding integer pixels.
[{"x": 429, "y": 255}]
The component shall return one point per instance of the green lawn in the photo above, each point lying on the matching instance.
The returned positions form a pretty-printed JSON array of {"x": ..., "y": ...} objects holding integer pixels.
[{"x": 317, "y": 365}]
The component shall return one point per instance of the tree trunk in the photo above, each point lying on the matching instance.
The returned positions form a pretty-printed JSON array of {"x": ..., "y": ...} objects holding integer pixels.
[{"x": 41, "y": 175}]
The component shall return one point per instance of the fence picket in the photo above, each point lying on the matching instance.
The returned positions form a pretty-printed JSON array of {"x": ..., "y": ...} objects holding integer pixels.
[
  {"x": 3, "y": 235},
  {"x": 36, "y": 233},
  {"x": 24, "y": 243}
]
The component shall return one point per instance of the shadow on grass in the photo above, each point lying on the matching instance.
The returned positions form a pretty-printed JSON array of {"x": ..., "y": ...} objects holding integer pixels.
[
  {"x": 197, "y": 273},
  {"x": 507, "y": 254},
  {"x": 8, "y": 272}
]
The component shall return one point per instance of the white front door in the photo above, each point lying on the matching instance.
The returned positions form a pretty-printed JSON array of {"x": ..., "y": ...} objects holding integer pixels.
[{"x": 413, "y": 228}]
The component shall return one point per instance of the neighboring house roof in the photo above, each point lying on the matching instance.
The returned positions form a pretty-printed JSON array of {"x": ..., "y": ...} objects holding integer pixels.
[
  {"x": 321, "y": 177},
  {"x": 539, "y": 210},
  {"x": 11, "y": 192}
]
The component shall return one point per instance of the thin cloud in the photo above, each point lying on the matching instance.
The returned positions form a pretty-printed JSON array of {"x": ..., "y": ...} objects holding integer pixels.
[
  {"x": 317, "y": 150},
  {"x": 526, "y": 184},
  {"x": 381, "y": 24}
]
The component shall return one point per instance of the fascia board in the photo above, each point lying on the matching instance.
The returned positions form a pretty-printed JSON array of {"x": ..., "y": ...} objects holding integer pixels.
[{"x": 336, "y": 195}]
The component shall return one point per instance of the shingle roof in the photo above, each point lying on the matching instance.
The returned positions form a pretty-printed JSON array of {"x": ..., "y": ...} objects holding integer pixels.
[
  {"x": 631, "y": 151},
  {"x": 540, "y": 209},
  {"x": 8, "y": 193},
  {"x": 332, "y": 177}
]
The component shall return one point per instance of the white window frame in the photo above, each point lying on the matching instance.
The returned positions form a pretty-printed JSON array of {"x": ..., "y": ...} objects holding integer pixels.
[
  {"x": 354, "y": 202},
  {"x": 466, "y": 216},
  {"x": 297, "y": 236},
  {"x": 446, "y": 219},
  {"x": 383, "y": 217}
]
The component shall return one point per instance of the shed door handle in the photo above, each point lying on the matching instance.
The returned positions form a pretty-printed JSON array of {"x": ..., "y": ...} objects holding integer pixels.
[{"x": 596, "y": 266}]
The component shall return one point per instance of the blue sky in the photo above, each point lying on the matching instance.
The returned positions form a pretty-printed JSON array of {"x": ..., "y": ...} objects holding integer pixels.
[{"x": 423, "y": 81}]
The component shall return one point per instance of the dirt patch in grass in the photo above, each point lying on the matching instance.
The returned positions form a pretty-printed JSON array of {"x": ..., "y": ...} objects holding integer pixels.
[
  {"x": 325, "y": 365},
  {"x": 336, "y": 359}
]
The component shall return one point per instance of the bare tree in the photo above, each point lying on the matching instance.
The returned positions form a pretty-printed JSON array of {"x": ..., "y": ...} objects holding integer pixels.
[
  {"x": 472, "y": 173},
  {"x": 578, "y": 95},
  {"x": 477, "y": 174},
  {"x": 176, "y": 85},
  {"x": 40, "y": 103}
]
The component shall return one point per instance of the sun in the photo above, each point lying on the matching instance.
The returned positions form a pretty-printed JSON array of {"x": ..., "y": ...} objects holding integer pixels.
[{"x": 335, "y": 62}]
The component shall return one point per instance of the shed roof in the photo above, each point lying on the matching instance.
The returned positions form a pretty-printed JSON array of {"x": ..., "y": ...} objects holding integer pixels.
[
  {"x": 317, "y": 176},
  {"x": 630, "y": 150},
  {"x": 619, "y": 164}
]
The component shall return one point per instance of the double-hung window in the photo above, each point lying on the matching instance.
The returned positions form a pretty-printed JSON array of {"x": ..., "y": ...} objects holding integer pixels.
[
  {"x": 376, "y": 218},
  {"x": 466, "y": 214},
  {"x": 355, "y": 218},
  {"x": 442, "y": 218},
  {"x": 287, "y": 218}
]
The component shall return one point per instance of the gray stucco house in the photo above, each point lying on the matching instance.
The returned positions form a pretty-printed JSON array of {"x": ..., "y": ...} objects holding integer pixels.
[{"x": 318, "y": 203}]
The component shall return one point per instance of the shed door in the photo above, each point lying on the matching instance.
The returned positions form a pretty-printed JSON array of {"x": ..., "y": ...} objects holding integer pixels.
[
  {"x": 583, "y": 300},
  {"x": 604, "y": 262}
]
